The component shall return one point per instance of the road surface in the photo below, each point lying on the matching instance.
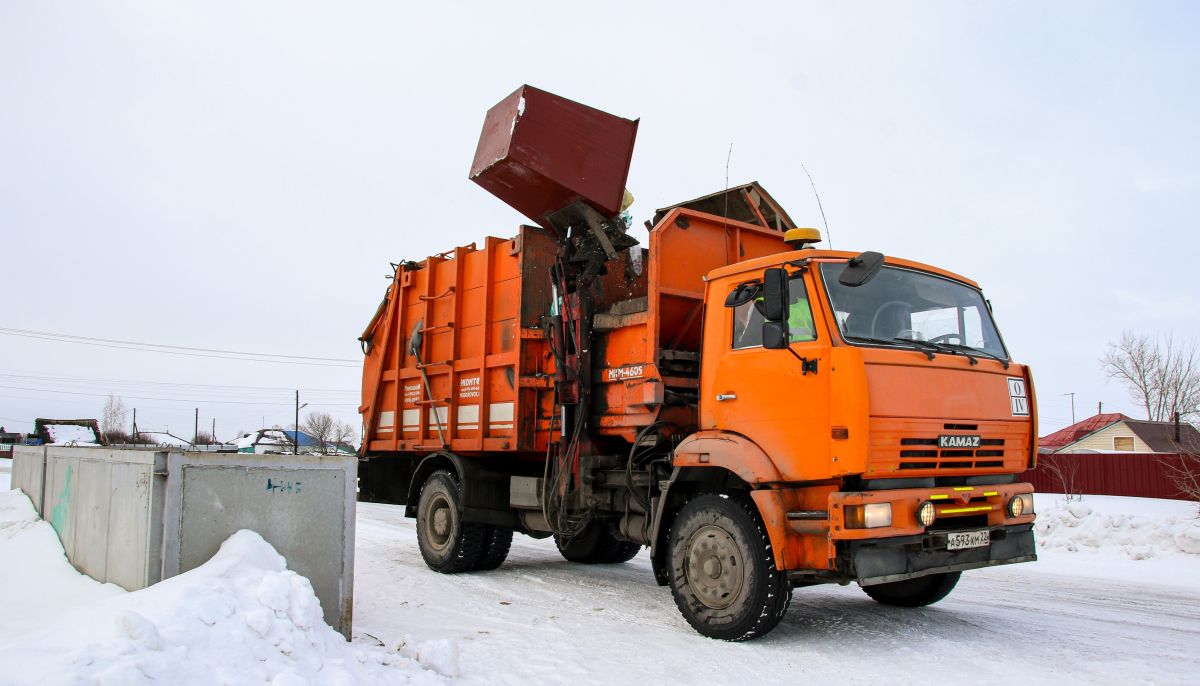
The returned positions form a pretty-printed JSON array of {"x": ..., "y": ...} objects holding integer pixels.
[{"x": 541, "y": 619}]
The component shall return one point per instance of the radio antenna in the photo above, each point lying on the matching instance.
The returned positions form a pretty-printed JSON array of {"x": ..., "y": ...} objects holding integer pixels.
[
  {"x": 828, "y": 235},
  {"x": 725, "y": 213}
]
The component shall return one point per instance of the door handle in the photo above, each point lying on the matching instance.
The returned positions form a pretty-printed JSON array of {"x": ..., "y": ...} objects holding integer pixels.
[{"x": 721, "y": 397}]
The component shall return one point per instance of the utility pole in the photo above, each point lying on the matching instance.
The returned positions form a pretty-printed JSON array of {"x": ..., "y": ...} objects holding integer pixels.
[
  {"x": 196, "y": 429},
  {"x": 296, "y": 435},
  {"x": 214, "y": 429},
  {"x": 1072, "y": 394},
  {"x": 134, "y": 435}
]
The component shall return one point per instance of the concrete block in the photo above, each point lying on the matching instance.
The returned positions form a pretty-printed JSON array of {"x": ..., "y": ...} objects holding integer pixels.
[
  {"x": 303, "y": 505},
  {"x": 28, "y": 472}
]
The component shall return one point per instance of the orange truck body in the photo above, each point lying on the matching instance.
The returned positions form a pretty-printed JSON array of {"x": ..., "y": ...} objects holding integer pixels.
[
  {"x": 478, "y": 357},
  {"x": 490, "y": 373}
]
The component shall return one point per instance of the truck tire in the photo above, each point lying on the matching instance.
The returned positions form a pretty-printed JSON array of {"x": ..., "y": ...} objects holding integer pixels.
[
  {"x": 918, "y": 592},
  {"x": 596, "y": 545},
  {"x": 722, "y": 569},
  {"x": 496, "y": 542},
  {"x": 448, "y": 544}
]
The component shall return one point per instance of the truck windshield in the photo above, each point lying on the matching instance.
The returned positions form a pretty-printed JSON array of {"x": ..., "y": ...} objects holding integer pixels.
[{"x": 911, "y": 305}]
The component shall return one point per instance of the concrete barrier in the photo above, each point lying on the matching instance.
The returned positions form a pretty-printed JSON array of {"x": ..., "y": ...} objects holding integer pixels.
[
  {"x": 28, "y": 468},
  {"x": 134, "y": 517},
  {"x": 303, "y": 505},
  {"x": 106, "y": 506}
]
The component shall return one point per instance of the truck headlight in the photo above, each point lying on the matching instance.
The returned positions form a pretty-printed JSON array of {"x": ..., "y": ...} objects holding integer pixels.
[
  {"x": 870, "y": 516},
  {"x": 926, "y": 513},
  {"x": 1020, "y": 505}
]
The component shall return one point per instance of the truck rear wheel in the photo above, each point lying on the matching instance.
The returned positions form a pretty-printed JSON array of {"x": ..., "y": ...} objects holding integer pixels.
[
  {"x": 447, "y": 543},
  {"x": 497, "y": 540},
  {"x": 722, "y": 571},
  {"x": 596, "y": 545},
  {"x": 918, "y": 592}
]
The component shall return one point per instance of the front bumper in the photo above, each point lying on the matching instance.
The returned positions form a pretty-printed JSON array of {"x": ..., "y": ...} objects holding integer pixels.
[{"x": 883, "y": 560}]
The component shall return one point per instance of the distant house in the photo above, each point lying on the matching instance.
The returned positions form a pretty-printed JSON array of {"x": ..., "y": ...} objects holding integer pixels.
[
  {"x": 309, "y": 444},
  {"x": 264, "y": 442},
  {"x": 10, "y": 438},
  {"x": 75, "y": 432},
  {"x": 1117, "y": 433},
  {"x": 267, "y": 441}
]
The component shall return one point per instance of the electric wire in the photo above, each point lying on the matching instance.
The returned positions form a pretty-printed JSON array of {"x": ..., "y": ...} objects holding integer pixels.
[
  {"x": 176, "y": 400},
  {"x": 187, "y": 351}
]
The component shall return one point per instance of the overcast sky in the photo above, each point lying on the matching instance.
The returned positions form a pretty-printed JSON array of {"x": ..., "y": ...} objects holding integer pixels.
[{"x": 237, "y": 176}]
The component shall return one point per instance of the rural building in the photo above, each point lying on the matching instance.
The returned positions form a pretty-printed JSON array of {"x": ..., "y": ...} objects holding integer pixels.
[
  {"x": 264, "y": 442},
  {"x": 10, "y": 437},
  {"x": 1117, "y": 433}
]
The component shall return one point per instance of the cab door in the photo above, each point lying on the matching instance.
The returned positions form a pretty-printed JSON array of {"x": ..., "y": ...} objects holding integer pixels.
[{"x": 767, "y": 395}]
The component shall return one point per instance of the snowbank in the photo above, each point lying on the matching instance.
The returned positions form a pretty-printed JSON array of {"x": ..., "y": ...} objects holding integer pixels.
[
  {"x": 1137, "y": 530},
  {"x": 72, "y": 434},
  {"x": 1146, "y": 540},
  {"x": 242, "y": 617}
]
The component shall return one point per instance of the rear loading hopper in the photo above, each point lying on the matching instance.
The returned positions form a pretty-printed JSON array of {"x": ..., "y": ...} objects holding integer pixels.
[{"x": 459, "y": 354}]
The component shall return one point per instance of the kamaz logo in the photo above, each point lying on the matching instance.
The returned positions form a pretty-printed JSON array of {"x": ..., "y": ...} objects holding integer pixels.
[{"x": 958, "y": 441}]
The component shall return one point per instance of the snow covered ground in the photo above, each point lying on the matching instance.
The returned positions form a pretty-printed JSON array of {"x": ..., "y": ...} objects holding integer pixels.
[{"x": 1123, "y": 606}]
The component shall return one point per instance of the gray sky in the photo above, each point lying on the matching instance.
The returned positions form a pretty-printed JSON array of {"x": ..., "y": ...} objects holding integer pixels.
[{"x": 237, "y": 176}]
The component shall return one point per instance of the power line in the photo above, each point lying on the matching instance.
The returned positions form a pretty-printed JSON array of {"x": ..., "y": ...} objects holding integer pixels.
[
  {"x": 91, "y": 380},
  {"x": 188, "y": 351},
  {"x": 178, "y": 400}
]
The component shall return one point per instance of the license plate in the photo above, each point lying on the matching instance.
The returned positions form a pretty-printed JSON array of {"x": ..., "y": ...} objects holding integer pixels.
[{"x": 968, "y": 539}]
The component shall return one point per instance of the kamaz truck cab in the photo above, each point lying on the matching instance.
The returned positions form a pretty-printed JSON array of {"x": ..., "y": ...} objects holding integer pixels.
[{"x": 873, "y": 412}]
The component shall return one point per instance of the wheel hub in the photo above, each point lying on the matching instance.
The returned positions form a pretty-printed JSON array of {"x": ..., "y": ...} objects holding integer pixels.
[
  {"x": 439, "y": 523},
  {"x": 714, "y": 567}
]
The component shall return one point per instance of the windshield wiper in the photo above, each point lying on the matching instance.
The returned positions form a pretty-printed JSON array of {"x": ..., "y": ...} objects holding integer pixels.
[
  {"x": 976, "y": 351},
  {"x": 926, "y": 346},
  {"x": 940, "y": 347},
  {"x": 892, "y": 343}
]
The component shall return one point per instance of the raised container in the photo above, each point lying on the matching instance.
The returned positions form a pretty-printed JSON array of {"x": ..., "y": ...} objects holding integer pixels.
[{"x": 539, "y": 153}]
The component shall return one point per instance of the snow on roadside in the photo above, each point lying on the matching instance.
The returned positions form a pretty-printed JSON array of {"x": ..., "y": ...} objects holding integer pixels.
[
  {"x": 37, "y": 584},
  {"x": 242, "y": 617},
  {"x": 1131, "y": 539}
]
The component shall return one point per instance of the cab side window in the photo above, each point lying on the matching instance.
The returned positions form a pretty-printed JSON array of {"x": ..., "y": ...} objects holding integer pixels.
[
  {"x": 748, "y": 318},
  {"x": 747, "y": 326}
]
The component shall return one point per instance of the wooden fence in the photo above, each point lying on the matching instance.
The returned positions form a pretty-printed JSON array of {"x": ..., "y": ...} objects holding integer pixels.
[{"x": 1142, "y": 475}]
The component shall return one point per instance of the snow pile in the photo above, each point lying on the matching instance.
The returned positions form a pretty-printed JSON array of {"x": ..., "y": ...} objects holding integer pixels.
[
  {"x": 72, "y": 434},
  {"x": 242, "y": 617},
  {"x": 1078, "y": 526},
  {"x": 36, "y": 581}
]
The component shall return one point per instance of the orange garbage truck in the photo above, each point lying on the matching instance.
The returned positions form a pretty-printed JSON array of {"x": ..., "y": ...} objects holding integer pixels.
[{"x": 762, "y": 414}]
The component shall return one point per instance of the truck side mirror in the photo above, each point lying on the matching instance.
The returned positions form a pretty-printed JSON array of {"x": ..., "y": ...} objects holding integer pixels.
[
  {"x": 775, "y": 294},
  {"x": 859, "y": 270},
  {"x": 775, "y": 335}
]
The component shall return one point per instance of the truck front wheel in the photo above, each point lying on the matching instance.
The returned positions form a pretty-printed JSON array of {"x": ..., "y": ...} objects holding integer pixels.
[
  {"x": 918, "y": 592},
  {"x": 447, "y": 543},
  {"x": 722, "y": 572}
]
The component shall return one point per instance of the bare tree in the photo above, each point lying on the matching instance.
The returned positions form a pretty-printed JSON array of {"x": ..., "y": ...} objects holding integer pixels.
[
  {"x": 1065, "y": 470},
  {"x": 1162, "y": 375},
  {"x": 343, "y": 433},
  {"x": 205, "y": 438},
  {"x": 321, "y": 426},
  {"x": 1184, "y": 475},
  {"x": 112, "y": 421}
]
